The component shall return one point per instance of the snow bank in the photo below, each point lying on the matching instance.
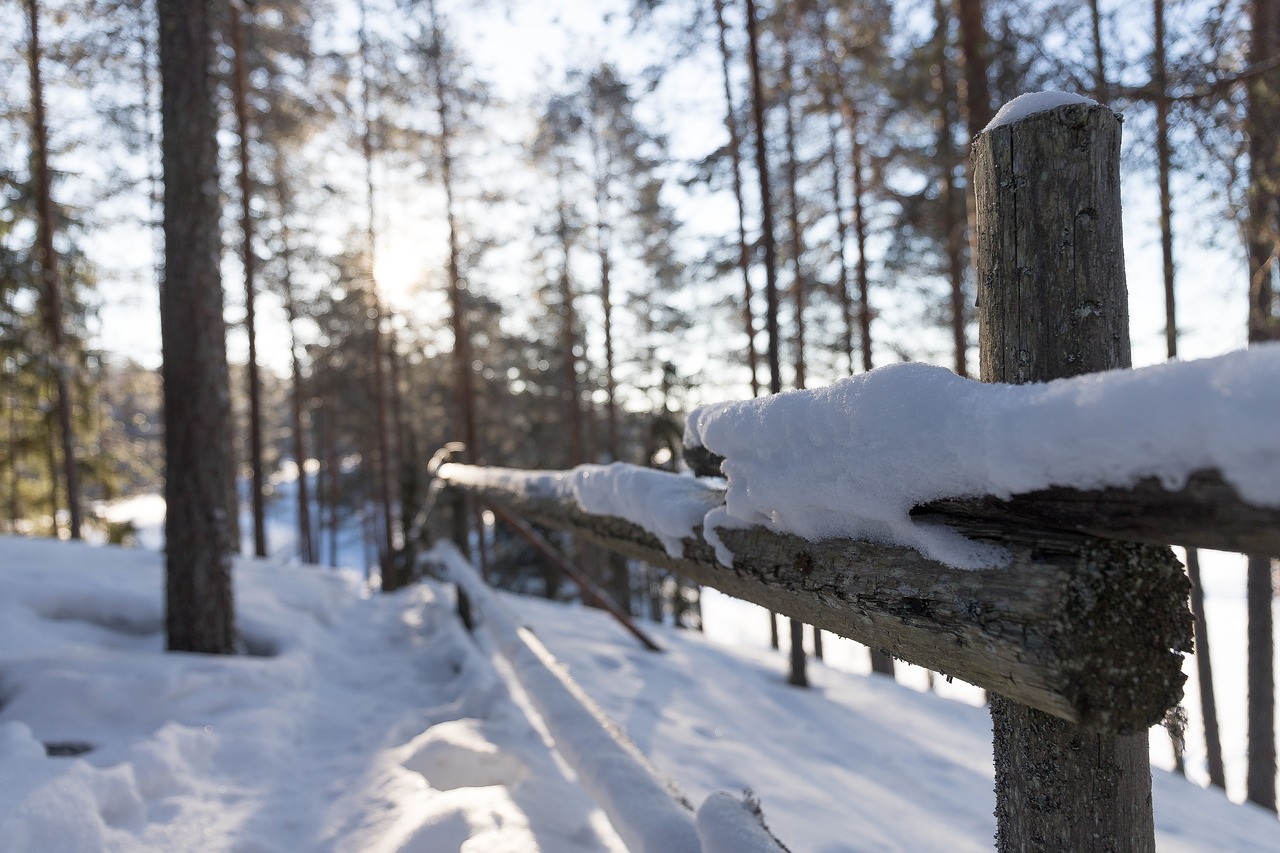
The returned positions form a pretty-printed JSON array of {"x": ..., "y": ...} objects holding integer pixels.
[
  {"x": 853, "y": 458},
  {"x": 1031, "y": 103}
]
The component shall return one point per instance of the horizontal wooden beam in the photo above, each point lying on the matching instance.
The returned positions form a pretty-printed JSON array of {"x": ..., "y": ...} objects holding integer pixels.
[
  {"x": 1206, "y": 512},
  {"x": 1086, "y": 629}
]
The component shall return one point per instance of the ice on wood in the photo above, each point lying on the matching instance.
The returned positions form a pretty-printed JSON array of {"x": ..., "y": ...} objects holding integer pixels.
[{"x": 853, "y": 458}]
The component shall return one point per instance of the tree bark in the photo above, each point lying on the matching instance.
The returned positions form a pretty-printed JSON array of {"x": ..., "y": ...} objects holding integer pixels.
[
  {"x": 385, "y": 537},
  {"x": 735, "y": 154},
  {"x": 1164, "y": 170},
  {"x": 51, "y": 277},
  {"x": 1260, "y": 778},
  {"x": 306, "y": 538},
  {"x": 1052, "y": 179},
  {"x": 1262, "y": 238},
  {"x": 199, "y": 612},
  {"x": 1100, "y": 89},
  {"x": 767, "y": 240},
  {"x": 1204, "y": 673},
  {"x": 239, "y": 91},
  {"x": 952, "y": 218},
  {"x": 794, "y": 231},
  {"x": 860, "y": 236}
]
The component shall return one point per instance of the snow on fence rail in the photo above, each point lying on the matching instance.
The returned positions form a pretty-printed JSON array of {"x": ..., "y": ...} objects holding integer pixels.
[
  {"x": 648, "y": 811},
  {"x": 1001, "y": 550}
]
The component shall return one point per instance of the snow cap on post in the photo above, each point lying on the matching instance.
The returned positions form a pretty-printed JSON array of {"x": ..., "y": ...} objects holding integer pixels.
[{"x": 1030, "y": 103}]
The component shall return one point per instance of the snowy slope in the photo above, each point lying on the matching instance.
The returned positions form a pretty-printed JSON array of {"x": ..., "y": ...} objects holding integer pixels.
[
  {"x": 855, "y": 764},
  {"x": 373, "y": 723}
]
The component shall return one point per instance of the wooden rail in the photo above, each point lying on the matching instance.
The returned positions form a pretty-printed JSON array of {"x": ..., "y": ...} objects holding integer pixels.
[{"x": 1050, "y": 629}]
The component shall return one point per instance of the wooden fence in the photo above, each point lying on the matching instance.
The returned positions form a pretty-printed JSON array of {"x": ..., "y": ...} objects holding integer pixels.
[{"x": 1080, "y": 639}]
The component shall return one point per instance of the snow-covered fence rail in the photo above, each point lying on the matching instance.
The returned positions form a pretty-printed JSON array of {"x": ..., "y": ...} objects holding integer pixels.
[{"x": 990, "y": 532}]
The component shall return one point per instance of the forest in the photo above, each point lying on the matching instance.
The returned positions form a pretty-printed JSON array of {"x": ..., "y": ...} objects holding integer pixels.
[{"x": 257, "y": 242}]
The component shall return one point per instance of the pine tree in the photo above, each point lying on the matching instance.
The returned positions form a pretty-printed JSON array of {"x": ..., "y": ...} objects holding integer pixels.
[
  {"x": 199, "y": 610},
  {"x": 51, "y": 278},
  {"x": 1262, "y": 227}
]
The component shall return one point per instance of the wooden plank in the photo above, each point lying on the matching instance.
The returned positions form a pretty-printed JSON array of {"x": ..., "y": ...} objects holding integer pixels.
[{"x": 1052, "y": 630}]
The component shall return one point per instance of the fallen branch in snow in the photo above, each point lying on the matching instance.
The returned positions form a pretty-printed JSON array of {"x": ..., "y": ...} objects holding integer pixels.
[{"x": 1078, "y": 635}]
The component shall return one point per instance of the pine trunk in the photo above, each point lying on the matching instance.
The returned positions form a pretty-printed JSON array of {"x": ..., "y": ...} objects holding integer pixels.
[
  {"x": 735, "y": 154},
  {"x": 306, "y": 538},
  {"x": 1204, "y": 673},
  {"x": 199, "y": 612},
  {"x": 239, "y": 87},
  {"x": 51, "y": 277},
  {"x": 953, "y": 218},
  {"x": 1262, "y": 235},
  {"x": 383, "y": 537},
  {"x": 767, "y": 240}
]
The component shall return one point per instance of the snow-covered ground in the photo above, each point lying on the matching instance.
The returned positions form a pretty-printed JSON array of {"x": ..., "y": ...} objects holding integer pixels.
[{"x": 374, "y": 723}]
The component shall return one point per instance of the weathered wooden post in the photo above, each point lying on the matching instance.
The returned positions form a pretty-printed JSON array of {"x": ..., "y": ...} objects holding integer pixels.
[{"x": 1052, "y": 303}]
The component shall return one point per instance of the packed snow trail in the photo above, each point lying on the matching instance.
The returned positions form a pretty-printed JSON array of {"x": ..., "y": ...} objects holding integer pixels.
[{"x": 372, "y": 725}]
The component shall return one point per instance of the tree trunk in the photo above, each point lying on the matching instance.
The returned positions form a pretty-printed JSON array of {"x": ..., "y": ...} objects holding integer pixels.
[
  {"x": 333, "y": 466},
  {"x": 766, "y": 203},
  {"x": 794, "y": 231},
  {"x": 1204, "y": 673},
  {"x": 239, "y": 87},
  {"x": 199, "y": 611},
  {"x": 860, "y": 236},
  {"x": 829, "y": 98},
  {"x": 773, "y": 357},
  {"x": 1050, "y": 177},
  {"x": 953, "y": 218},
  {"x": 1260, "y": 781},
  {"x": 50, "y": 275},
  {"x": 1262, "y": 237},
  {"x": 973, "y": 90},
  {"x": 569, "y": 342},
  {"x": 735, "y": 154},
  {"x": 381, "y": 451},
  {"x": 1164, "y": 169},
  {"x": 306, "y": 539},
  {"x": 1100, "y": 90},
  {"x": 797, "y": 676}
]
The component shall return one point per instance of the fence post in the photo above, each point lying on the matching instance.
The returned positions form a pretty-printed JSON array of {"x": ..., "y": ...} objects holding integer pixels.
[{"x": 1052, "y": 303}]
